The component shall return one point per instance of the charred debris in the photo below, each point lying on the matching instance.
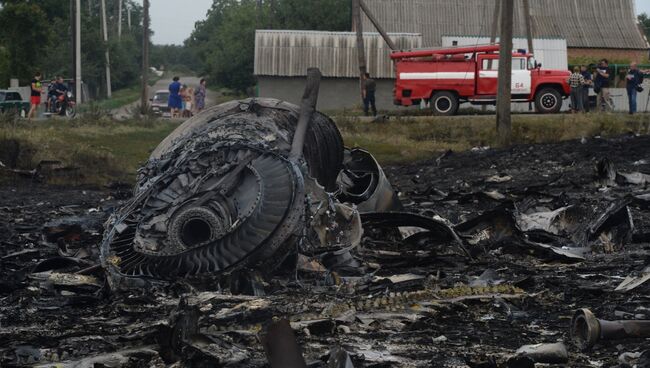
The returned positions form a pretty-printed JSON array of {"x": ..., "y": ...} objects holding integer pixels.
[{"x": 253, "y": 237}]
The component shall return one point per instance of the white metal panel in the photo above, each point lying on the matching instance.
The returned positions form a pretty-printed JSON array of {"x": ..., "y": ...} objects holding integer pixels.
[{"x": 552, "y": 53}]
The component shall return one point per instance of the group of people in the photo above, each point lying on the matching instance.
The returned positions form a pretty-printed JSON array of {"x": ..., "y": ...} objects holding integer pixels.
[
  {"x": 184, "y": 101},
  {"x": 55, "y": 89},
  {"x": 581, "y": 80}
]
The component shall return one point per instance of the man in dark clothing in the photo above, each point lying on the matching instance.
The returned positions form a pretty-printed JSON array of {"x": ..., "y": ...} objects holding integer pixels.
[
  {"x": 585, "y": 87},
  {"x": 601, "y": 83},
  {"x": 634, "y": 80},
  {"x": 369, "y": 87}
]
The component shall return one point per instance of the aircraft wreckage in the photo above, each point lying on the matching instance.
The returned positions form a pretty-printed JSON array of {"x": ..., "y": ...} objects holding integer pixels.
[{"x": 241, "y": 185}]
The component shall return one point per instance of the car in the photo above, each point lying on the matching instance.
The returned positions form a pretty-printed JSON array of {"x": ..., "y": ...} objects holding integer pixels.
[
  {"x": 159, "y": 103},
  {"x": 13, "y": 101}
]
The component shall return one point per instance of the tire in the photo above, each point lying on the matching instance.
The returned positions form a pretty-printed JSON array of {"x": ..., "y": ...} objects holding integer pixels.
[
  {"x": 548, "y": 101},
  {"x": 444, "y": 103},
  {"x": 70, "y": 112}
]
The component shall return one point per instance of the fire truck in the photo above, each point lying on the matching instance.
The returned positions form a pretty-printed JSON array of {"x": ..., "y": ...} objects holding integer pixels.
[{"x": 444, "y": 78}]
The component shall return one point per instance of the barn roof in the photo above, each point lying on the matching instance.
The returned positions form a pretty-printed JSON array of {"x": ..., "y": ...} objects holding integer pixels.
[
  {"x": 583, "y": 23},
  {"x": 290, "y": 53}
]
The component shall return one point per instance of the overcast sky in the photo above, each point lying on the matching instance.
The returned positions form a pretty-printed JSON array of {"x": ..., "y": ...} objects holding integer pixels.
[
  {"x": 643, "y": 6},
  {"x": 173, "y": 21}
]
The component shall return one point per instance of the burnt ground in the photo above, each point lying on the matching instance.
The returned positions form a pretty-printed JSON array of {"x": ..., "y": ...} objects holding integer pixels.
[{"x": 416, "y": 303}]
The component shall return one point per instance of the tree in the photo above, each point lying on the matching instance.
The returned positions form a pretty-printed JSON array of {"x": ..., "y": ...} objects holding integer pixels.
[
  {"x": 644, "y": 20},
  {"x": 24, "y": 32},
  {"x": 224, "y": 43}
]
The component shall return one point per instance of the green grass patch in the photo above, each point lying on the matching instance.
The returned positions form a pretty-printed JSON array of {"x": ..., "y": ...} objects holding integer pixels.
[
  {"x": 105, "y": 150},
  {"x": 102, "y": 150},
  {"x": 407, "y": 139}
]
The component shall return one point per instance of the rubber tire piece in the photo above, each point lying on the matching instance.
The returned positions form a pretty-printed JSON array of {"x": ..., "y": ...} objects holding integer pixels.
[
  {"x": 546, "y": 92},
  {"x": 440, "y": 97}
]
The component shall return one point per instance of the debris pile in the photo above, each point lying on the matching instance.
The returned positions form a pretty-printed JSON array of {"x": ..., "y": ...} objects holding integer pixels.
[{"x": 487, "y": 258}]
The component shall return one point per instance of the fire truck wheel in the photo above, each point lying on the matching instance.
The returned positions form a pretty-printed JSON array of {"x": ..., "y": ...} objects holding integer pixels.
[
  {"x": 548, "y": 101},
  {"x": 444, "y": 103}
]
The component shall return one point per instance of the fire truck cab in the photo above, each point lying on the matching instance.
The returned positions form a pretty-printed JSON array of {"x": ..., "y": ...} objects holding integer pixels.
[{"x": 446, "y": 77}]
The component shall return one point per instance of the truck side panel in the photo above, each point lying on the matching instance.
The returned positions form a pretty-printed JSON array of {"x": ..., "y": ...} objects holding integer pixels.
[{"x": 416, "y": 78}]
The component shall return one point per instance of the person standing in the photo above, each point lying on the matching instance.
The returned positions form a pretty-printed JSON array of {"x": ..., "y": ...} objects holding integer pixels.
[
  {"x": 585, "y": 87},
  {"x": 576, "y": 82},
  {"x": 601, "y": 84},
  {"x": 199, "y": 96},
  {"x": 368, "y": 94},
  {"x": 634, "y": 80},
  {"x": 35, "y": 98},
  {"x": 175, "y": 102}
]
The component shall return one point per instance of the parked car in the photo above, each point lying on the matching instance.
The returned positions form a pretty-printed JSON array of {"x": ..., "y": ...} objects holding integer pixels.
[
  {"x": 13, "y": 101},
  {"x": 159, "y": 103}
]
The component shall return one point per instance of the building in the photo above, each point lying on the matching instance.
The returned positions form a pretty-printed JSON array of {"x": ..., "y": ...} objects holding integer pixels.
[
  {"x": 592, "y": 28},
  {"x": 282, "y": 59}
]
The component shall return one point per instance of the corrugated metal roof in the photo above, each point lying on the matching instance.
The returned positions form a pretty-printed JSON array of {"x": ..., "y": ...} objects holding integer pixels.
[
  {"x": 583, "y": 23},
  {"x": 290, "y": 53},
  {"x": 552, "y": 53}
]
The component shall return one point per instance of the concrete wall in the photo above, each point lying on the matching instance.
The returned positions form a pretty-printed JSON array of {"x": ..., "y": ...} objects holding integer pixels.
[{"x": 335, "y": 93}]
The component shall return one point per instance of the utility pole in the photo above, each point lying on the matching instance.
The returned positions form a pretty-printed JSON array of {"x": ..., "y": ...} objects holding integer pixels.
[
  {"x": 109, "y": 91},
  {"x": 144, "y": 98},
  {"x": 504, "y": 119},
  {"x": 128, "y": 15},
  {"x": 375, "y": 22},
  {"x": 529, "y": 35},
  {"x": 358, "y": 28},
  {"x": 119, "y": 20},
  {"x": 493, "y": 33},
  {"x": 77, "y": 52}
]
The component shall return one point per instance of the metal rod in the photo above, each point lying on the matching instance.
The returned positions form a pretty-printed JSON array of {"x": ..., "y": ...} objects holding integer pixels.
[
  {"x": 77, "y": 53},
  {"x": 307, "y": 108},
  {"x": 144, "y": 94},
  {"x": 504, "y": 89}
]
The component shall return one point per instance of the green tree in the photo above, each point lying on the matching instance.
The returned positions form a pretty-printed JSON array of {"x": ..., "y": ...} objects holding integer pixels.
[
  {"x": 644, "y": 20},
  {"x": 24, "y": 31},
  {"x": 224, "y": 43}
]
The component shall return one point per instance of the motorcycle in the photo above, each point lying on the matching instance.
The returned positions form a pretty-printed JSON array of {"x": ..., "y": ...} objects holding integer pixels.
[{"x": 65, "y": 105}]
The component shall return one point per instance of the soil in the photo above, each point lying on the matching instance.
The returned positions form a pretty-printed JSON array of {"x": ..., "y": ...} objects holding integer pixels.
[{"x": 419, "y": 303}]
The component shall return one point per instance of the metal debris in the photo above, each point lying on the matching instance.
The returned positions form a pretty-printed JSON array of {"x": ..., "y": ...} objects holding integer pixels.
[{"x": 587, "y": 330}]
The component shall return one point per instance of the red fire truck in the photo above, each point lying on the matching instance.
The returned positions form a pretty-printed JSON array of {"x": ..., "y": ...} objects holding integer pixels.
[{"x": 446, "y": 77}]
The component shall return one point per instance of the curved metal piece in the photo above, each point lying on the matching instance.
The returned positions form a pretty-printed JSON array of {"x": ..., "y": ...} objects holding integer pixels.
[{"x": 364, "y": 183}]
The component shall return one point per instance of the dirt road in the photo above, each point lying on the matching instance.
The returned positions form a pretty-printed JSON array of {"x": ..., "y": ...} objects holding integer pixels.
[{"x": 127, "y": 110}]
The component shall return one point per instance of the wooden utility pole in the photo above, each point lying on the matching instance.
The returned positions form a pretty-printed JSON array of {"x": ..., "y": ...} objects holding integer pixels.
[
  {"x": 358, "y": 28},
  {"x": 504, "y": 122},
  {"x": 493, "y": 32},
  {"x": 109, "y": 91},
  {"x": 375, "y": 22},
  {"x": 144, "y": 97}
]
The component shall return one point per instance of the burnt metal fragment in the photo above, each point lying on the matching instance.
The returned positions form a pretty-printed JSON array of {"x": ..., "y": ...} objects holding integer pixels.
[{"x": 587, "y": 330}]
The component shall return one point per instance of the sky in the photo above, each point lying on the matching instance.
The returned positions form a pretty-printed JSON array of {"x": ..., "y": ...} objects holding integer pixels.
[
  {"x": 173, "y": 21},
  {"x": 643, "y": 6}
]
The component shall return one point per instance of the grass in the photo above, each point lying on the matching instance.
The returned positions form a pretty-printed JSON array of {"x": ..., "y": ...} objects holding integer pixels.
[
  {"x": 105, "y": 150},
  {"x": 407, "y": 139}
]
